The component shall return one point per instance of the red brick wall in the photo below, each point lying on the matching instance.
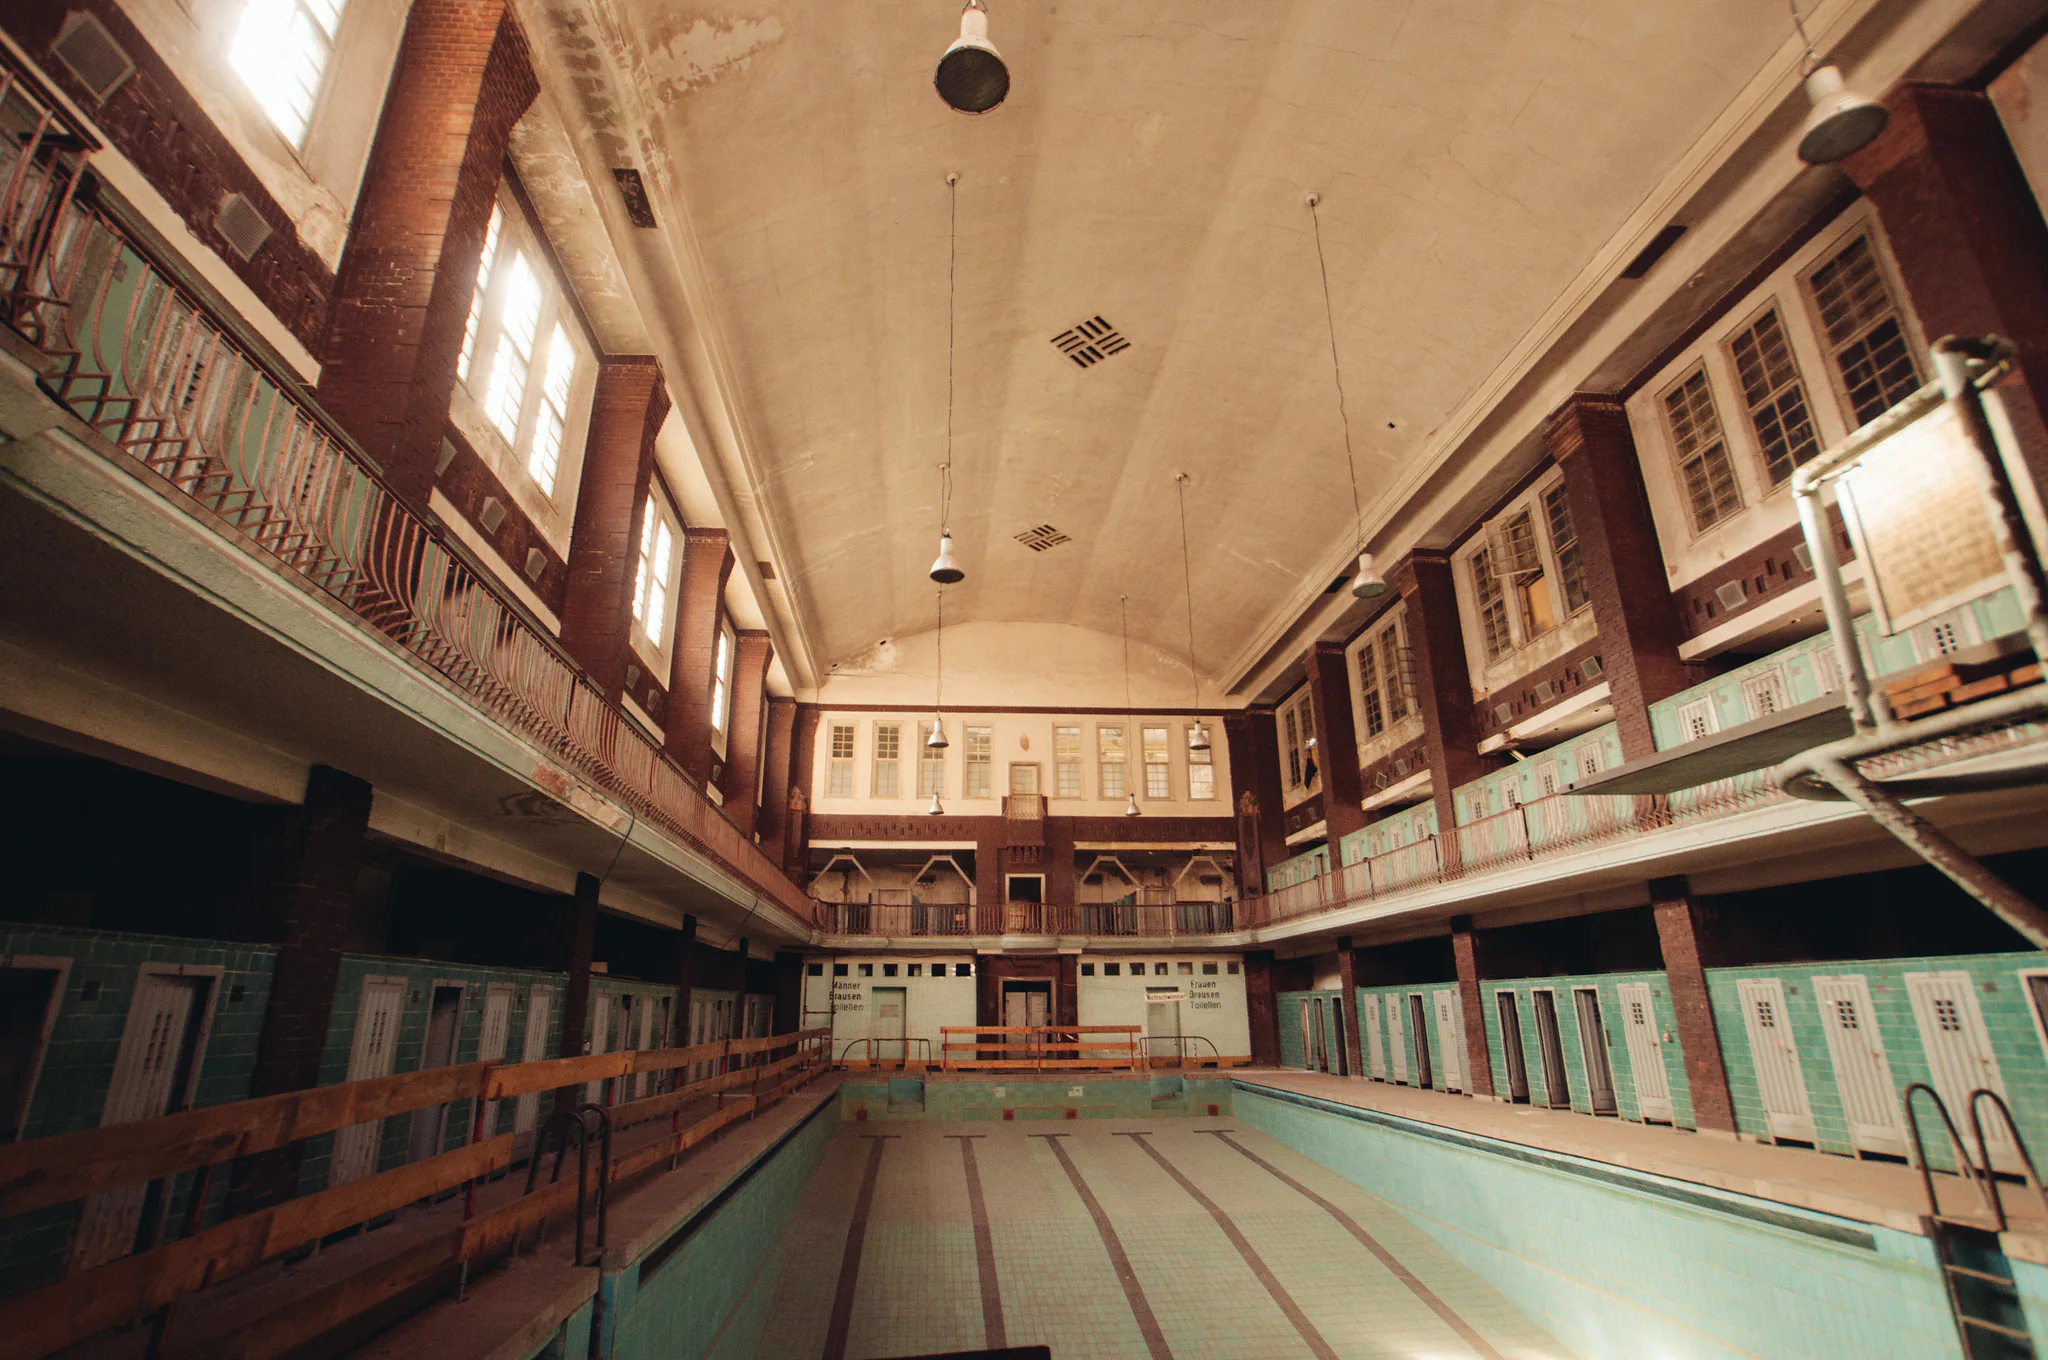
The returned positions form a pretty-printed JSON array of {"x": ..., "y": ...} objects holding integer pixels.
[
  {"x": 626, "y": 411},
  {"x": 1329, "y": 676},
  {"x": 394, "y": 336},
  {"x": 700, "y": 604},
  {"x": 743, "y": 754},
  {"x": 153, "y": 121},
  {"x": 1766, "y": 570},
  {"x": 1685, "y": 960},
  {"x": 467, "y": 484},
  {"x": 776, "y": 767},
  {"x": 1443, "y": 685},
  {"x": 1478, "y": 1064}
]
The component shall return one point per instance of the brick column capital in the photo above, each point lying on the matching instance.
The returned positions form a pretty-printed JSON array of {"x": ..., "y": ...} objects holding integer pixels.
[
  {"x": 1622, "y": 561},
  {"x": 700, "y": 606}
]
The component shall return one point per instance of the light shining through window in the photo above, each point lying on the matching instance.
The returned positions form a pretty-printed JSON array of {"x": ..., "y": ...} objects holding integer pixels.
[
  {"x": 545, "y": 460},
  {"x": 507, "y": 395},
  {"x": 280, "y": 51},
  {"x": 650, "y": 584},
  {"x": 475, "y": 326}
]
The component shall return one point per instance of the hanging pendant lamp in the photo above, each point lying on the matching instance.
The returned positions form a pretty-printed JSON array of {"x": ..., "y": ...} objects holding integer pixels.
[
  {"x": 946, "y": 569},
  {"x": 1841, "y": 122},
  {"x": 971, "y": 76},
  {"x": 1198, "y": 741},
  {"x": 1368, "y": 584}
]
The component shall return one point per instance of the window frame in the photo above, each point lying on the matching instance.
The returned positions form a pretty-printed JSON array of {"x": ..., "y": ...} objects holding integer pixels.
[
  {"x": 324, "y": 83},
  {"x": 1110, "y": 790},
  {"x": 1514, "y": 625},
  {"x": 931, "y": 767},
  {"x": 1067, "y": 761},
  {"x": 1700, "y": 370},
  {"x": 1157, "y": 773},
  {"x": 1759, "y": 455},
  {"x": 1379, "y": 681},
  {"x": 724, "y": 657},
  {"x": 836, "y": 764},
  {"x": 657, "y": 509},
  {"x": 878, "y": 762},
  {"x": 1204, "y": 760},
  {"x": 985, "y": 734},
  {"x": 1300, "y": 771},
  {"x": 1896, "y": 296}
]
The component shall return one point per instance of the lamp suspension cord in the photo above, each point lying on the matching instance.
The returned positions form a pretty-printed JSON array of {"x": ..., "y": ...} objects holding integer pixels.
[
  {"x": 952, "y": 254},
  {"x": 939, "y": 643},
  {"x": 1187, "y": 574},
  {"x": 1337, "y": 370},
  {"x": 1808, "y": 62},
  {"x": 1123, "y": 607}
]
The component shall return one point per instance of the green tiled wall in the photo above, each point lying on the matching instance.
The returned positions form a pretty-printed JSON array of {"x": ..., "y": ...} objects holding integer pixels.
[
  {"x": 71, "y": 1090},
  {"x": 1377, "y": 996},
  {"x": 2001, "y": 998},
  {"x": 1619, "y": 1265},
  {"x": 1485, "y": 796},
  {"x": 1289, "y": 1004},
  {"x": 705, "y": 1295},
  {"x": 1299, "y": 868},
  {"x": 1609, "y": 985}
]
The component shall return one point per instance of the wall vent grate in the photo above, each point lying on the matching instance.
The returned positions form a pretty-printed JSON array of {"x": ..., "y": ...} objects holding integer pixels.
[
  {"x": 90, "y": 53},
  {"x": 241, "y": 225},
  {"x": 1089, "y": 343},
  {"x": 633, "y": 190},
  {"x": 1731, "y": 594},
  {"x": 1042, "y": 537},
  {"x": 1802, "y": 556},
  {"x": 1590, "y": 668}
]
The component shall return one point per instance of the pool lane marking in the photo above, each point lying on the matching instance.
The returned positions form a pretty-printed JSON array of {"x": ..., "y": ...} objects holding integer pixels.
[
  {"x": 1386, "y": 1258},
  {"x": 1141, "y": 1308},
  {"x": 1319, "y": 1347},
  {"x": 984, "y": 1247},
  {"x": 856, "y": 1239}
]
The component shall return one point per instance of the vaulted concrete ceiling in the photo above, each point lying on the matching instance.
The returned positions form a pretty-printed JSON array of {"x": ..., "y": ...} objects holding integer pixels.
[{"x": 1149, "y": 168}]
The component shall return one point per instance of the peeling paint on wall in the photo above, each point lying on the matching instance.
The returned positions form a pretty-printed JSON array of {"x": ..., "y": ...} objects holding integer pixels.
[{"x": 706, "y": 52}]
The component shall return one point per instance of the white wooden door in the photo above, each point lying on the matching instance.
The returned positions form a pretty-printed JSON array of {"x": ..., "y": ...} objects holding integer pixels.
[
  {"x": 153, "y": 1068},
  {"x": 1775, "y": 1057},
  {"x": 533, "y": 1046},
  {"x": 1448, "y": 1037},
  {"x": 1959, "y": 1057},
  {"x": 1397, "y": 1044},
  {"x": 1645, "y": 1052},
  {"x": 1863, "y": 1075},
  {"x": 492, "y": 1040},
  {"x": 369, "y": 1055},
  {"x": 1375, "y": 1056},
  {"x": 600, "y": 1042}
]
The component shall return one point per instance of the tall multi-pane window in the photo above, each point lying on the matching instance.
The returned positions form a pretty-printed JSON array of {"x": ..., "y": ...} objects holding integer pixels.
[
  {"x": 281, "y": 51},
  {"x": 1109, "y": 758},
  {"x": 931, "y": 772},
  {"x": 1866, "y": 336},
  {"x": 888, "y": 776},
  {"x": 721, "y": 687},
  {"x": 1158, "y": 751},
  {"x": 1201, "y": 766},
  {"x": 1290, "y": 732},
  {"x": 1705, "y": 468},
  {"x": 1370, "y": 702},
  {"x": 1298, "y": 741},
  {"x": 1493, "y": 607},
  {"x": 1394, "y": 671},
  {"x": 1066, "y": 762},
  {"x": 1564, "y": 548},
  {"x": 1382, "y": 678},
  {"x": 1521, "y": 561},
  {"x": 520, "y": 356},
  {"x": 980, "y": 762},
  {"x": 839, "y": 770},
  {"x": 1774, "y": 395},
  {"x": 651, "y": 576}
]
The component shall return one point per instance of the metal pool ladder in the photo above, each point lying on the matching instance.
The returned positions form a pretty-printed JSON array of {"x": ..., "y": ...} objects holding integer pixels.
[{"x": 1982, "y": 1294}]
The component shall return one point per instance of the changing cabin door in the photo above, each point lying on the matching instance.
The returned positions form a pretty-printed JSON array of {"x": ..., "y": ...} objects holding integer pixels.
[
  {"x": 1645, "y": 1053},
  {"x": 1863, "y": 1074},
  {"x": 1778, "y": 1078}
]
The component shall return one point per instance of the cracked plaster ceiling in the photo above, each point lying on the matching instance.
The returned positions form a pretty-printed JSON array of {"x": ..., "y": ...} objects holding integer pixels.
[{"x": 1149, "y": 167}]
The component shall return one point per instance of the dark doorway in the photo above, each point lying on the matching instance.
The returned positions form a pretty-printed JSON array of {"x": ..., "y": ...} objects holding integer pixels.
[{"x": 1511, "y": 1044}]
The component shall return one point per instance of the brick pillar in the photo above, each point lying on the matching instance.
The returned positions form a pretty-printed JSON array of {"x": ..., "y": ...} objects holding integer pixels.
[
  {"x": 1443, "y": 687},
  {"x": 1254, "y": 746},
  {"x": 1062, "y": 878},
  {"x": 1687, "y": 947},
  {"x": 1631, "y": 595},
  {"x": 1262, "y": 1008},
  {"x": 1066, "y": 995},
  {"x": 686, "y": 978},
  {"x": 308, "y": 918},
  {"x": 1329, "y": 676},
  {"x": 1347, "y": 1011},
  {"x": 1478, "y": 1061},
  {"x": 988, "y": 876},
  {"x": 789, "y": 991},
  {"x": 773, "y": 822},
  {"x": 618, "y": 468},
  {"x": 577, "y": 941},
  {"x": 402, "y": 294},
  {"x": 743, "y": 753},
  {"x": 1967, "y": 236},
  {"x": 700, "y": 604},
  {"x": 803, "y": 750}
]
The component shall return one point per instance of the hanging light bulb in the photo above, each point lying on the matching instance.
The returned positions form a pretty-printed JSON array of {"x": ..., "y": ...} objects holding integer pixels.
[
  {"x": 1131, "y": 809},
  {"x": 1368, "y": 584},
  {"x": 946, "y": 571},
  {"x": 1200, "y": 740},
  {"x": 937, "y": 740},
  {"x": 971, "y": 76},
  {"x": 1841, "y": 123},
  {"x": 936, "y": 809}
]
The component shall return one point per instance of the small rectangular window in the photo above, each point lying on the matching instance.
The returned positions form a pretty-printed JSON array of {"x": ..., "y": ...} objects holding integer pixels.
[
  {"x": 1158, "y": 766},
  {"x": 838, "y": 970},
  {"x": 1866, "y": 336},
  {"x": 1201, "y": 765},
  {"x": 913, "y": 970},
  {"x": 888, "y": 773},
  {"x": 888, "y": 970},
  {"x": 963, "y": 970},
  {"x": 1109, "y": 756},
  {"x": 867, "y": 970},
  {"x": 1087, "y": 970},
  {"x": 1185, "y": 968},
  {"x": 839, "y": 778},
  {"x": 1704, "y": 467},
  {"x": 1112, "y": 970},
  {"x": 1159, "y": 970},
  {"x": 1230, "y": 969},
  {"x": 815, "y": 970},
  {"x": 1208, "y": 970},
  {"x": 1774, "y": 396},
  {"x": 1066, "y": 760},
  {"x": 980, "y": 761}
]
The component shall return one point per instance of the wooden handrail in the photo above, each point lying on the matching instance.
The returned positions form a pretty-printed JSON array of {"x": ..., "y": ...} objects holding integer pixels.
[{"x": 40, "y": 1172}]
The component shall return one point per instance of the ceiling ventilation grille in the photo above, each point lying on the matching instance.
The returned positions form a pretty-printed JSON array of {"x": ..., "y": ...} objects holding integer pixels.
[
  {"x": 94, "y": 57},
  {"x": 633, "y": 190},
  {"x": 1042, "y": 537},
  {"x": 1089, "y": 343}
]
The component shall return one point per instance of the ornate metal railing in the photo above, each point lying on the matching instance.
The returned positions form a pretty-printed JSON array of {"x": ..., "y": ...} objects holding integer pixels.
[{"x": 160, "y": 370}]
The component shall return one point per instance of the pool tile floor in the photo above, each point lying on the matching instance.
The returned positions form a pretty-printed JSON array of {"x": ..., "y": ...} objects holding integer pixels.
[{"x": 1192, "y": 1238}]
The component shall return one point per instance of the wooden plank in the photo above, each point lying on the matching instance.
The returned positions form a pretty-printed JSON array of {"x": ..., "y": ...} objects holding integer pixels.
[
  {"x": 305, "y": 1319},
  {"x": 664, "y": 1059},
  {"x": 121, "y": 1291},
  {"x": 550, "y": 1073},
  {"x": 44, "y": 1171}
]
